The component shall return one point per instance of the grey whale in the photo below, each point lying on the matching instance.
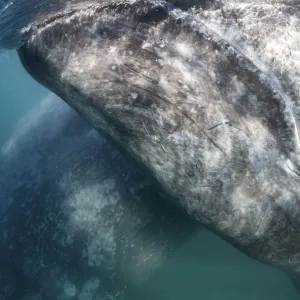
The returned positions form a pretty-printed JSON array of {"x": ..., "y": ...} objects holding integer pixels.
[
  {"x": 78, "y": 221},
  {"x": 201, "y": 99}
]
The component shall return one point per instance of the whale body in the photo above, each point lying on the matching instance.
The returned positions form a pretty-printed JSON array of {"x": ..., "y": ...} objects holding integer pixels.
[
  {"x": 78, "y": 221},
  {"x": 201, "y": 98}
]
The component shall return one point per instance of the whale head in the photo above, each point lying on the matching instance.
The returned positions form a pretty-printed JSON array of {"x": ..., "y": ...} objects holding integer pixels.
[{"x": 214, "y": 125}]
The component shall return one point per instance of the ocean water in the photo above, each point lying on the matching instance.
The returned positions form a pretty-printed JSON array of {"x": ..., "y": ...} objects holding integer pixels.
[
  {"x": 202, "y": 267},
  {"x": 18, "y": 93}
]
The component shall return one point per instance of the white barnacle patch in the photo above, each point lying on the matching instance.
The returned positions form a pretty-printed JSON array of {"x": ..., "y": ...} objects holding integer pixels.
[
  {"x": 241, "y": 200},
  {"x": 134, "y": 95},
  {"x": 82, "y": 64},
  {"x": 259, "y": 146},
  {"x": 212, "y": 156},
  {"x": 184, "y": 70},
  {"x": 165, "y": 84},
  {"x": 146, "y": 45},
  {"x": 112, "y": 50},
  {"x": 184, "y": 49}
]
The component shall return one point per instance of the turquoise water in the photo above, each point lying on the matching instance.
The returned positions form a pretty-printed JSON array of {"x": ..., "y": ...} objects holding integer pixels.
[
  {"x": 204, "y": 267},
  {"x": 18, "y": 93}
]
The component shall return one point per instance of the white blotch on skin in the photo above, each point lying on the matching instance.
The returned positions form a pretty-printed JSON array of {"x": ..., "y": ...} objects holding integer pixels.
[
  {"x": 184, "y": 49},
  {"x": 91, "y": 216},
  {"x": 185, "y": 72}
]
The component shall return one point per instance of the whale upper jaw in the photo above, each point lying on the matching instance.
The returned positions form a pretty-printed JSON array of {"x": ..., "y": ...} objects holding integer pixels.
[{"x": 213, "y": 126}]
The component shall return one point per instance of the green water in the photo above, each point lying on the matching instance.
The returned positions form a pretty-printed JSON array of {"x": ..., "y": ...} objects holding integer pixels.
[
  {"x": 208, "y": 268},
  {"x": 203, "y": 268}
]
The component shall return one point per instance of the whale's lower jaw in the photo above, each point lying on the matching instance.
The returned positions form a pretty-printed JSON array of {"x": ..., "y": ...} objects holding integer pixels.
[{"x": 214, "y": 128}]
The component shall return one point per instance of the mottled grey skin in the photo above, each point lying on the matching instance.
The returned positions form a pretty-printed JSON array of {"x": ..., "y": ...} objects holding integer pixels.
[
  {"x": 78, "y": 221},
  {"x": 201, "y": 100}
]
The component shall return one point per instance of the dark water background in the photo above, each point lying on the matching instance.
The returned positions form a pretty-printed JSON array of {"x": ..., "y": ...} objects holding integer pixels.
[{"x": 205, "y": 267}]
